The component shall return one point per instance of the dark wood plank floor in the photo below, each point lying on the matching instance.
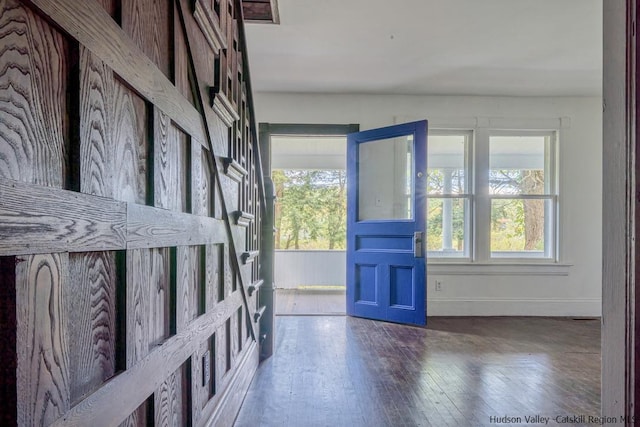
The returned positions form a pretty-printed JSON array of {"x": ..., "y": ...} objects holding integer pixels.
[
  {"x": 343, "y": 371},
  {"x": 310, "y": 301}
]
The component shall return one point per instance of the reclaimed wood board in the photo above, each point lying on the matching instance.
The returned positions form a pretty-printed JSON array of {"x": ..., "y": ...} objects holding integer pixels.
[
  {"x": 149, "y": 23},
  {"x": 90, "y": 301},
  {"x": 39, "y": 220},
  {"x": 33, "y": 85},
  {"x": 43, "y": 385}
]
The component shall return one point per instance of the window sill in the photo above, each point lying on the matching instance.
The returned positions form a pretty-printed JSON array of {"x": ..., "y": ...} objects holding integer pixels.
[{"x": 518, "y": 268}]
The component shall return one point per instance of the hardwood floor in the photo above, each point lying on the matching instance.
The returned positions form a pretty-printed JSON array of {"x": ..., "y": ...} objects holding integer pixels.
[
  {"x": 311, "y": 301},
  {"x": 344, "y": 371}
]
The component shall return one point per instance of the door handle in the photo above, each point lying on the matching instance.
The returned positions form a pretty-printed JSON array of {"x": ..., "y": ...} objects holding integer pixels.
[{"x": 417, "y": 244}]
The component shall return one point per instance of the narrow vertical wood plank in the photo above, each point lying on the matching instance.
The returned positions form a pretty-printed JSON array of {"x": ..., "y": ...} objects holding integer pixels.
[
  {"x": 169, "y": 401},
  {"x": 159, "y": 315},
  {"x": 165, "y": 171},
  {"x": 131, "y": 147},
  {"x": 233, "y": 338},
  {"x": 33, "y": 84},
  {"x": 199, "y": 386},
  {"x": 198, "y": 186},
  {"x": 91, "y": 309},
  {"x": 172, "y": 159},
  {"x": 138, "y": 268},
  {"x": 208, "y": 186},
  {"x": 212, "y": 276},
  {"x": 185, "y": 171},
  {"x": 181, "y": 61},
  {"x": 187, "y": 286},
  {"x": 150, "y": 25},
  {"x": 42, "y": 343},
  {"x": 220, "y": 356},
  {"x": 96, "y": 126}
]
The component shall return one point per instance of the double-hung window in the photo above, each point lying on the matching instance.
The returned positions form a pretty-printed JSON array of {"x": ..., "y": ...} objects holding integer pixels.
[
  {"x": 449, "y": 201},
  {"x": 522, "y": 194},
  {"x": 492, "y": 195}
]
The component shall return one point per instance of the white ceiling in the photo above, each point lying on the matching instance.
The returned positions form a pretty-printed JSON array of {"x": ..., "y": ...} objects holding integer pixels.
[{"x": 430, "y": 47}]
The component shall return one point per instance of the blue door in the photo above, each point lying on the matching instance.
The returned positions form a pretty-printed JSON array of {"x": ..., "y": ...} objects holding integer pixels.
[{"x": 386, "y": 202}]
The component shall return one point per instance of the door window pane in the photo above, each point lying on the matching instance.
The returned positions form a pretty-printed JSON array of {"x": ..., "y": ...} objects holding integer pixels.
[{"x": 385, "y": 179}]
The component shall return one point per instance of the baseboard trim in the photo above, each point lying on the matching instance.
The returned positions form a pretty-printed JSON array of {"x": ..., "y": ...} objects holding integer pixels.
[
  {"x": 230, "y": 402},
  {"x": 583, "y": 307}
]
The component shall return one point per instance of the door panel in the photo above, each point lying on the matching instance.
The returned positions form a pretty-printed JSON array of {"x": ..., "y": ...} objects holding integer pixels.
[{"x": 386, "y": 170}]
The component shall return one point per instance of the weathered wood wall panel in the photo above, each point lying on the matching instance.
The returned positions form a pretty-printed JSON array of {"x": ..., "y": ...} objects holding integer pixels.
[
  {"x": 43, "y": 385},
  {"x": 172, "y": 165},
  {"x": 33, "y": 84},
  {"x": 91, "y": 312},
  {"x": 171, "y": 400},
  {"x": 131, "y": 145},
  {"x": 149, "y": 24},
  {"x": 118, "y": 254},
  {"x": 97, "y": 162}
]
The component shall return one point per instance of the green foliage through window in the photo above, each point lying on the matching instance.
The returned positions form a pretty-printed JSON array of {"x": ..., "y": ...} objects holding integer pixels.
[{"x": 311, "y": 209}]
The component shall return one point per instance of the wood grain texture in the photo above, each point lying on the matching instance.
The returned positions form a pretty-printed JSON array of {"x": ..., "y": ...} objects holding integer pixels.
[
  {"x": 97, "y": 162},
  {"x": 90, "y": 300},
  {"x": 222, "y": 410},
  {"x": 149, "y": 23},
  {"x": 172, "y": 169},
  {"x": 187, "y": 286},
  {"x": 257, "y": 11},
  {"x": 617, "y": 226},
  {"x": 151, "y": 227},
  {"x": 207, "y": 186},
  {"x": 138, "y": 292},
  {"x": 43, "y": 384},
  {"x": 159, "y": 296},
  {"x": 171, "y": 400},
  {"x": 434, "y": 376},
  {"x": 131, "y": 145},
  {"x": 181, "y": 78},
  {"x": 32, "y": 98},
  {"x": 93, "y": 28},
  {"x": 139, "y": 417},
  {"x": 214, "y": 275},
  {"x": 221, "y": 355},
  {"x": 39, "y": 220},
  {"x": 110, "y": 404},
  {"x": 198, "y": 195}
]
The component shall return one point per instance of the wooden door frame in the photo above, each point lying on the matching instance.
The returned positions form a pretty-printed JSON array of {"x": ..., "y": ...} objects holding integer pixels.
[
  {"x": 267, "y": 295},
  {"x": 620, "y": 236}
]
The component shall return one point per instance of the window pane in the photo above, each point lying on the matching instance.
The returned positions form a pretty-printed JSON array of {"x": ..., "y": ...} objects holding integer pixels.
[
  {"x": 520, "y": 228},
  {"x": 385, "y": 179},
  {"x": 518, "y": 165},
  {"x": 446, "y": 227},
  {"x": 446, "y": 164}
]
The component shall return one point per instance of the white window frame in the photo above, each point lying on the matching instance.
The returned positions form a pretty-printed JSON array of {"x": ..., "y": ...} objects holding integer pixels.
[
  {"x": 468, "y": 195},
  {"x": 479, "y": 209}
]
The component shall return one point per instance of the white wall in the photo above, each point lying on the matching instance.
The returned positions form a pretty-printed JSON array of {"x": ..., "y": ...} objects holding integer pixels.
[
  {"x": 571, "y": 288},
  {"x": 295, "y": 268}
]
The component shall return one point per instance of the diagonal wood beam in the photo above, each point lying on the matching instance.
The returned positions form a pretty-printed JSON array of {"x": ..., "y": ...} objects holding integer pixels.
[{"x": 213, "y": 163}]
